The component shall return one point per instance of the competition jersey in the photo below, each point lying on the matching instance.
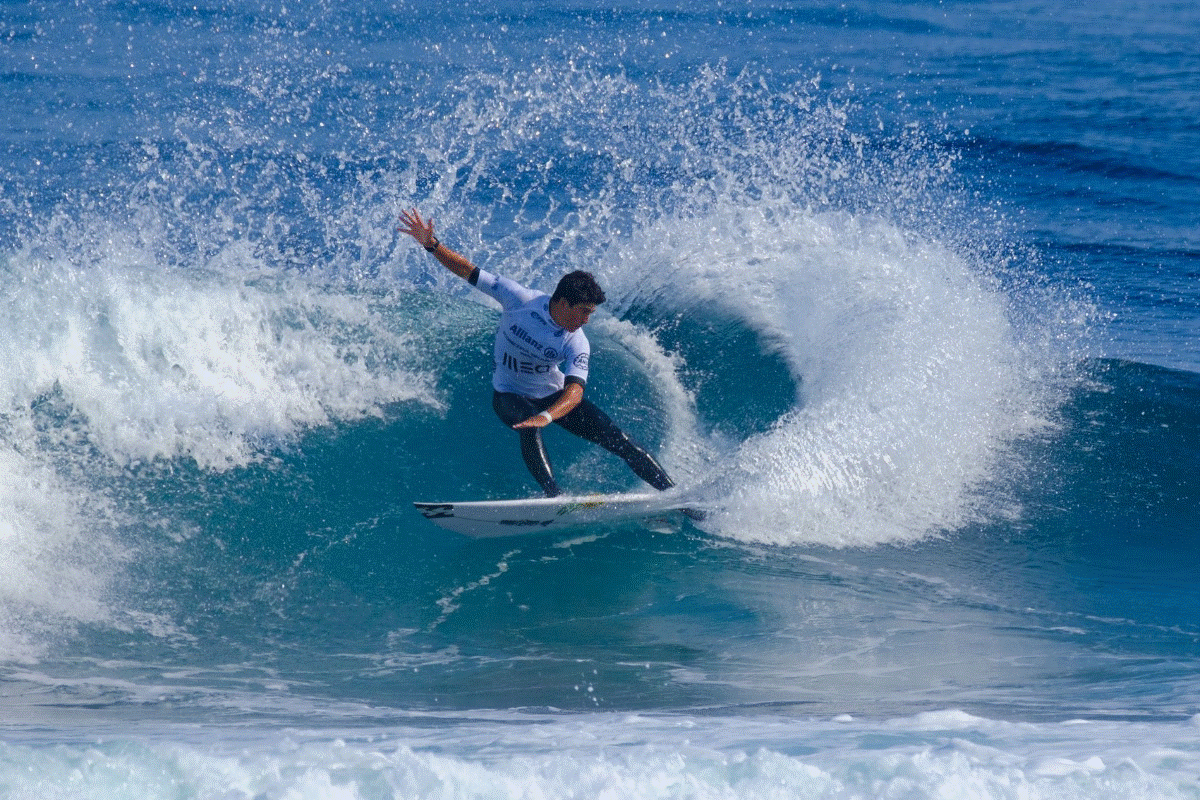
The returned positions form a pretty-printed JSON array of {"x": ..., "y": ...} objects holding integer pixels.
[{"x": 530, "y": 346}]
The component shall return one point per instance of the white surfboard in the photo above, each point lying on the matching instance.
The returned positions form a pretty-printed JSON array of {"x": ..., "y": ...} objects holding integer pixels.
[{"x": 488, "y": 518}]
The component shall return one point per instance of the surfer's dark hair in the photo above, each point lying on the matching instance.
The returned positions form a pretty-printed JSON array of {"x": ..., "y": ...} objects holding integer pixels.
[{"x": 578, "y": 287}]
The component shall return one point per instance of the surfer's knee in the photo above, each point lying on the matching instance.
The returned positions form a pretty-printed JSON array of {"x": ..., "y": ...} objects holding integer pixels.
[{"x": 537, "y": 461}]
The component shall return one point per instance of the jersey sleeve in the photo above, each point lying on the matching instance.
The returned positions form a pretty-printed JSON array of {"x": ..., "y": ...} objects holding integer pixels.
[
  {"x": 508, "y": 293},
  {"x": 577, "y": 355}
]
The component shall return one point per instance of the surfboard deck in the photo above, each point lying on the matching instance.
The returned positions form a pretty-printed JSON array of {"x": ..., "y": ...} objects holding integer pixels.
[{"x": 492, "y": 518}]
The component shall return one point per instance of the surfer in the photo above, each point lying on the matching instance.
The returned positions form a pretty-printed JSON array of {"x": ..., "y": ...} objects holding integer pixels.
[{"x": 539, "y": 337}]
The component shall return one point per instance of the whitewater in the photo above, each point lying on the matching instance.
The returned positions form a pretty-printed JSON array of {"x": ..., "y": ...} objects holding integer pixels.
[{"x": 903, "y": 294}]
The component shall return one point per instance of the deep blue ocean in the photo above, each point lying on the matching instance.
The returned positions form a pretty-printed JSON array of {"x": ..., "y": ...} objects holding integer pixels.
[{"x": 906, "y": 293}]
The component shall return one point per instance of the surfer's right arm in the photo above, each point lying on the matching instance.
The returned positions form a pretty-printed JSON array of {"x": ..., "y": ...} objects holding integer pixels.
[{"x": 422, "y": 231}]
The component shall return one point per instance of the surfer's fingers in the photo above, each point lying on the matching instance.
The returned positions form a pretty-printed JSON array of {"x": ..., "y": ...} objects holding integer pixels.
[{"x": 414, "y": 226}]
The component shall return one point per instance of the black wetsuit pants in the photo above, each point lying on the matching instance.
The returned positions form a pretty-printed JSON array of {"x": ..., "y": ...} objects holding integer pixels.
[{"x": 585, "y": 420}]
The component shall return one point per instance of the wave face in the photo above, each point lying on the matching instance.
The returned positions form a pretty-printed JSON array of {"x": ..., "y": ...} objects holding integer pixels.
[{"x": 943, "y": 412}]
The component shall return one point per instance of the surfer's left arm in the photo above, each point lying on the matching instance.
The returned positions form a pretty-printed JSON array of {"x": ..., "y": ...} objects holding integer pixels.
[{"x": 571, "y": 395}]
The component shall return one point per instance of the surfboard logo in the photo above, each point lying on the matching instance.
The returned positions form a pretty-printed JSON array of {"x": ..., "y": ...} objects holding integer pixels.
[{"x": 571, "y": 508}]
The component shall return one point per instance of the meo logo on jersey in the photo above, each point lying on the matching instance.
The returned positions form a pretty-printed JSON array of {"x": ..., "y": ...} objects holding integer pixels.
[{"x": 525, "y": 367}]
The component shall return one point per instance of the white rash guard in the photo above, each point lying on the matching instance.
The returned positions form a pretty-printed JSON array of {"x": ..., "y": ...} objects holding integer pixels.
[{"x": 530, "y": 346}]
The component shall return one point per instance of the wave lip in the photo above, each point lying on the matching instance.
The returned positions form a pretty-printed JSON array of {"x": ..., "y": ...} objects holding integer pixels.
[{"x": 911, "y": 381}]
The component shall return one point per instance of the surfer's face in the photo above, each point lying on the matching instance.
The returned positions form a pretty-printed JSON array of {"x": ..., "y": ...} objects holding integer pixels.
[{"x": 573, "y": 317}]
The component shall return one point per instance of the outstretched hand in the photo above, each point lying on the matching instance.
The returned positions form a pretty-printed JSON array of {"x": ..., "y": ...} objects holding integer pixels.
[
  {"x": 414, "y": 226},
  {"x": 422, "y": 231}
]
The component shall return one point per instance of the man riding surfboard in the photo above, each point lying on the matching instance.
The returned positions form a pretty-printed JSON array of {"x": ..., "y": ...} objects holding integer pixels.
[{"x": 541, "y": 361}]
